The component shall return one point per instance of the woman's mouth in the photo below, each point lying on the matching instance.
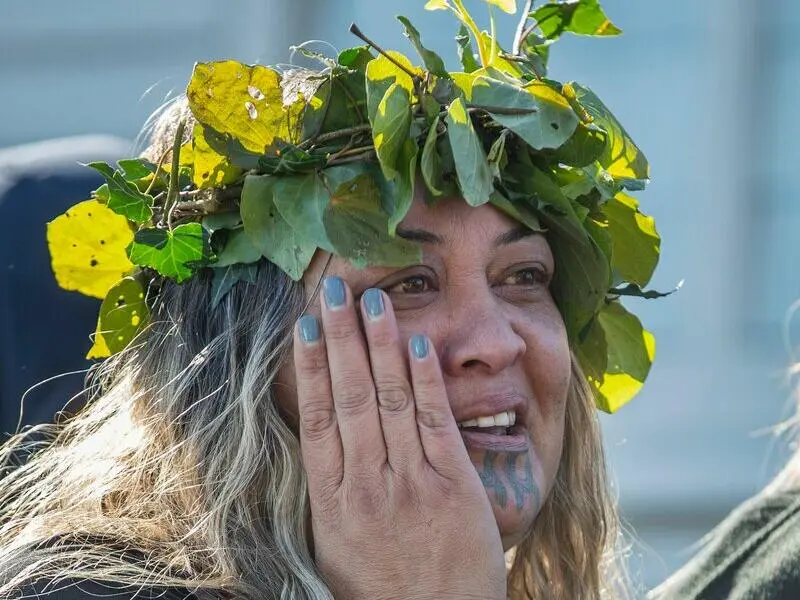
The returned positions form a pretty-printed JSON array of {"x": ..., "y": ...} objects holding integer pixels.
[{"x": 496, "y": 432}]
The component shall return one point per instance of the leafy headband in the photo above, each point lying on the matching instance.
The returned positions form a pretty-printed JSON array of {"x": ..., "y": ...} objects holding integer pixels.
[{"x": 279, "y": 165}]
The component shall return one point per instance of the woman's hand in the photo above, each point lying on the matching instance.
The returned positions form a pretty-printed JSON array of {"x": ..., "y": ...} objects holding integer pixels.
[{"x": 398, "y": 510}]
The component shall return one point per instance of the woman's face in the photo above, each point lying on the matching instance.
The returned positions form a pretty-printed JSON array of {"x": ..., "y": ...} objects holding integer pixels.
[{"x": 481, "y": 295}]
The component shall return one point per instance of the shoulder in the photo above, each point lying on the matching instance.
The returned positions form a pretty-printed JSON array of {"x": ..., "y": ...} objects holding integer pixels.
[
  {"x": 754, "y": 553},
  {"x": 73, "y": 589}
]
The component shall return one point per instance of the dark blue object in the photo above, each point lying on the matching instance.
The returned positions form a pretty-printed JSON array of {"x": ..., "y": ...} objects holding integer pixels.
[{"x": 44, "y": 330}]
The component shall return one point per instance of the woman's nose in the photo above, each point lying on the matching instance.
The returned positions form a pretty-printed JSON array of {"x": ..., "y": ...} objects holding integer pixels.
[{"x": 479, "y": 338}]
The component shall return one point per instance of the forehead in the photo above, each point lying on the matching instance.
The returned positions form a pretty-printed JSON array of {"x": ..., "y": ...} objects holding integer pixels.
[{"x": 464, "y": 231}]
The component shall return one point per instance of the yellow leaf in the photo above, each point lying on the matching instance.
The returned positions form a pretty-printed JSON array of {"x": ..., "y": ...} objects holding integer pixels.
[
  {"x": 209, "y": 169},
  {"x": 243, "y": 101},
  {"x": 436, "y": 5},
  {"x": 508, "y": 6},
  {"x": 122, "y": 316},
  {"x": 87, "y": 248},
  {"x": 617, "y": 389},
  {"x": 382, "y": 68}
]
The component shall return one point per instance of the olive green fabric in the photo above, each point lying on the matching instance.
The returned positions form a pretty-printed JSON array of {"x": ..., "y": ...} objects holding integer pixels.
[{"x": 754, "y": 555}]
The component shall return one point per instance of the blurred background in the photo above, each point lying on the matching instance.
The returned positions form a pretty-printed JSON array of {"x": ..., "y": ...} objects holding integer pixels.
[{"x": 708, "y": 89}]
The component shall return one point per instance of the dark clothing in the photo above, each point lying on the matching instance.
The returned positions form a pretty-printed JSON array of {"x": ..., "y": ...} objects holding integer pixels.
[
  {"x": 755, "y": 555},
  {"x": 44, "y": 330}
]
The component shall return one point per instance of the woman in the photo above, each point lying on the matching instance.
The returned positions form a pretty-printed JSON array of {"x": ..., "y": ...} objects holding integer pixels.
[{"x": 422, "y": 428}]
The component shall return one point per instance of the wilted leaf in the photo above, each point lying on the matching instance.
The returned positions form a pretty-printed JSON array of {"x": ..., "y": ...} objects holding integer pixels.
[
  {"x": 536, "y": 113},
  {"x": 87, "y": 248},
  {"x": 245, "y": 102},
  {"x": 175, "y": 254},
  {"x": 474, "y": 173},
  {"x": 123, "y": 314},
  {"x": 431, "y": 164},
  {"x": 622, "y": 158},
  {"x": 390, "y": 129},
  {"x": 433, "y": 62},
  {"x": 269, "y": 232},
  {"x": 356, "y": 221},
  {"x": 582, "y": 17},
  {"x": 226, "y": 277}
]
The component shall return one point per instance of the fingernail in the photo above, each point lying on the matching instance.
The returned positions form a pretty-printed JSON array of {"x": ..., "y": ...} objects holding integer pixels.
[
  {"x": 373, "y": 303},
  {"x": 333, "y": 290},
  {"x": 309, "y": 328},
  {"x": 419, "y": 346}
]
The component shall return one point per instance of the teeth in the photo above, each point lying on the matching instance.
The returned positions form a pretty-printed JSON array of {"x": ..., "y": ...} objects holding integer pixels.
[{"x": 503, "y": 419}]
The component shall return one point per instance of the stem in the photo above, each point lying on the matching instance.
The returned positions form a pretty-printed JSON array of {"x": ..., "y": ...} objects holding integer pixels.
[
  {"x": 333, "y": 135},
  {"x": 354, "y": 158},
  {"x": 518, "y": 37},
  {"x": 467, "y": 19},
  {"x": 357, "y": 32},
  {"x": 158, "y": 169},
  {"x": 174, "y": 176}
]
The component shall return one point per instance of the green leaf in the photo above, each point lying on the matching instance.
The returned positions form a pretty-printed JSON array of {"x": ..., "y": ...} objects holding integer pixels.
[
  {"x": 391, "y": 126},
  {"x": 616, "y": 353},
  {"x": 498, "y": 159},
  {"x": 238, "y": 249},
  {"x": 268, "y": 230},
  {"x": 507, "y": 6},
  {"x": 581, "y": 17},
  {"x": 357, "y": 223},
  {"x": 536, "y": 113},
  {"x": 635, "y": 291},
  {"x": 302, "y": 201},
  {"x": 431, "y": 164},
  {"x": 636, "y": 243},
  {"x": 622, "y": 158},
  {"x": 398, "y": 195},
  {"x": 519, "y": 211},
  {"x": 583, "y": 148},
  {"x": 433, "y": 62},
  {"x": 339, "y": 103},
  {"x": 123, "y": 314},
  {"x": 222, "y": 220},
  {"x": 382, "y": 73},
  {"x": 537, "y": 51},
  {"x": 466, "y": 54},
  {"x": 175, "y": 254},
  {"x": 474, "y": 173},
  {"x": 136, "y": 168},
  {"x": 226, "y": 277},
  {"x": 290, "y": 159},
  {"x": 244, "y": 102},
  {"x": 124, "y": 198},
  {"x": 355, "y": 58}
]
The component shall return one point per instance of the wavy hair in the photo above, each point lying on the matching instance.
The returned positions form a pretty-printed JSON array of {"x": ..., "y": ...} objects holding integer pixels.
[{"x": 181, "y": 471}]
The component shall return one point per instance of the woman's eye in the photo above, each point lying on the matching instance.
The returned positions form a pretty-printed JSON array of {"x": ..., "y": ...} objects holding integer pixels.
[
  {"x": 528, "y": 276},
  {"x": 415, "y": 284}
]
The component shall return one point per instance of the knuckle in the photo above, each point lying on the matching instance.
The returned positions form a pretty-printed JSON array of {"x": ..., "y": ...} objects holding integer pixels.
[
  {"x": 314, "y": 360},
  {"x": 367, "y": 498},
  {"x": 317, "y": 421},
  {"x": 433, "y": 420},
  {"x": 383, "y": 337},
  {"x": 394, "y": 396},
  {"x": 354, "y": 396},
  {"x": 338, "y": 329}
]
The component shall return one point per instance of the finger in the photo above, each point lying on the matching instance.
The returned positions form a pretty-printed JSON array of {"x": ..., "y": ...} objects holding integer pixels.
[
  {"x": 320, "y": 441},
  {"x": 392, "y": 384},
  {"x": 438, "y": 431},
  {"x": 351, "y": 381}
]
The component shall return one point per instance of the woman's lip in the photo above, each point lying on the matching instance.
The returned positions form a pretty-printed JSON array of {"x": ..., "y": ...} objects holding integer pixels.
[{"x": 514, "y": 441}]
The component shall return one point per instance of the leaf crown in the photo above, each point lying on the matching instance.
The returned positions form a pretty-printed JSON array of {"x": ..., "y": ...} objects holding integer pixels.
[{"x": 277, "y": 165}]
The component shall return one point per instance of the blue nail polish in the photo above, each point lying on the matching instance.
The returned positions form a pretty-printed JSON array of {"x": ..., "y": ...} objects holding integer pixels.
[
  {"x": 419, "y": 346},
  {"x": 333, "y": 290},
  {"x": 309, "y": 328},
  {"x": 373, "y": 303}
]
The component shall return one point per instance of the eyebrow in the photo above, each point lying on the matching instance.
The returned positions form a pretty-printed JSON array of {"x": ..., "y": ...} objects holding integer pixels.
[{"x": 426, "y": 237}]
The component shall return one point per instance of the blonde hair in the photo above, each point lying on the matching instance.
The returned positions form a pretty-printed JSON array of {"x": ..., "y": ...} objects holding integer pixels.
[{"x": 181, "y": 471}]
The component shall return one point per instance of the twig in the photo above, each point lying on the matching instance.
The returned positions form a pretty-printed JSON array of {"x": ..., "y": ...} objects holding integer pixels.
[
  {"x": 158, "y": 169},
  {"x": 354, "y": 158},
  {"x": 333, "y": 135},
  {"x": 174, "y": 176},
  {"x": 518, "y": 37},
  {"x": 357, "y": 32}
]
